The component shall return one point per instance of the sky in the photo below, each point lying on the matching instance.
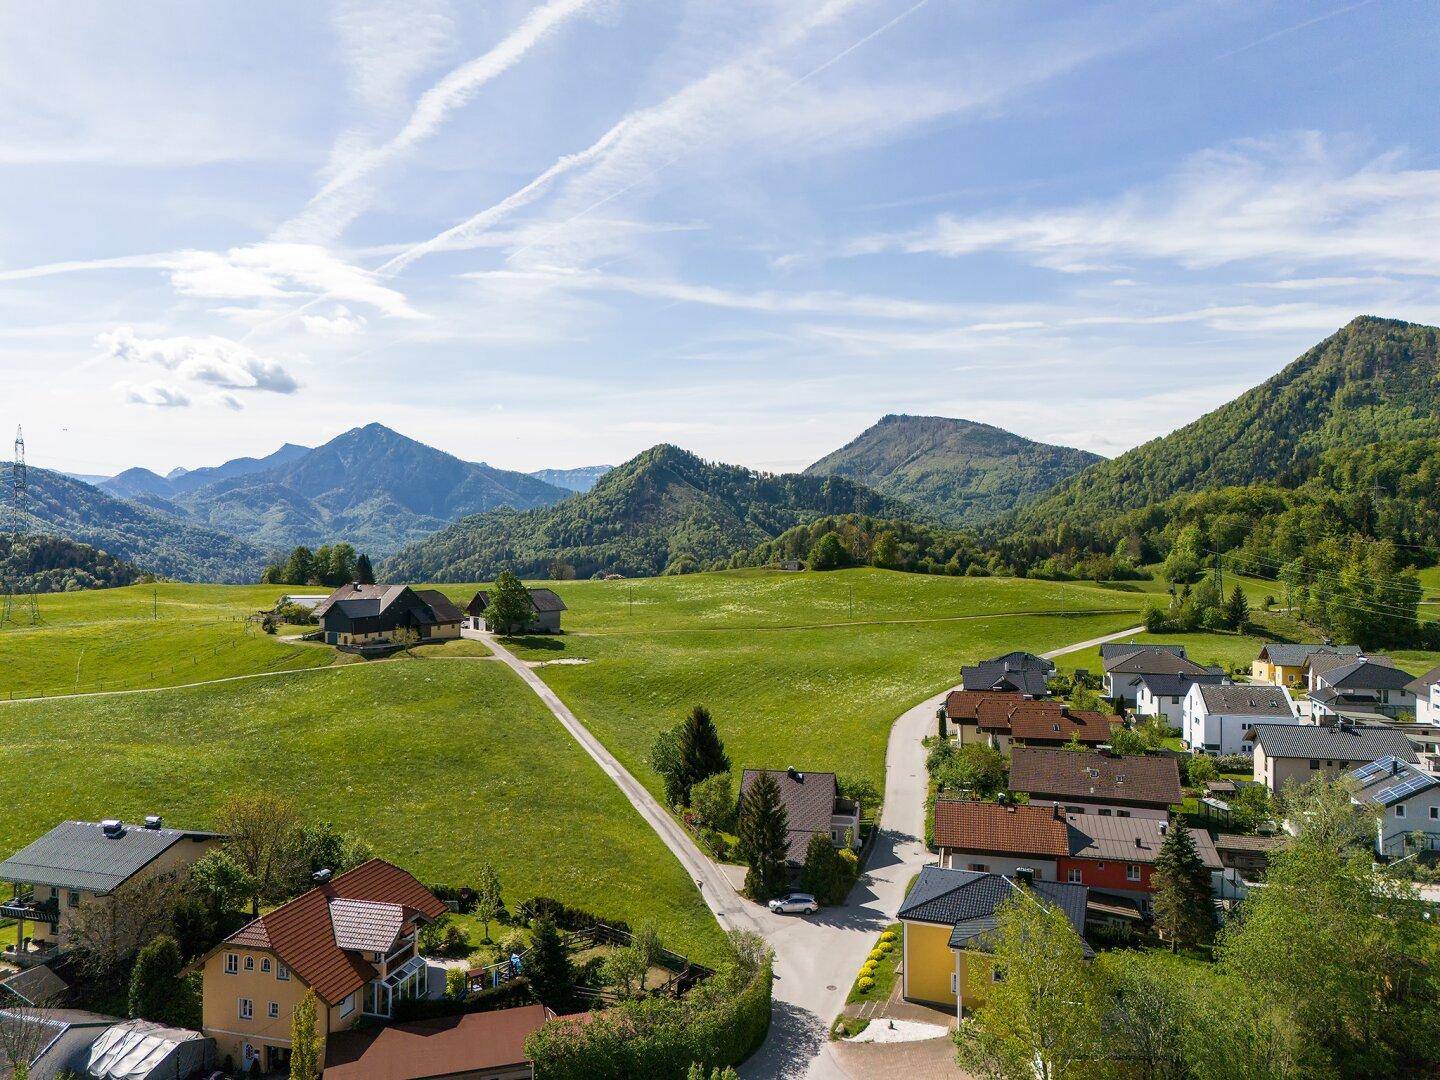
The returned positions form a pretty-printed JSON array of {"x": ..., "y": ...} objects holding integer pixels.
[{"x": 552, "y": 233}]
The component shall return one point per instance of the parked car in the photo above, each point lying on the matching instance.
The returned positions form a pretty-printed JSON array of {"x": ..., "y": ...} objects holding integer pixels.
[{"x": 796, "y": 902}]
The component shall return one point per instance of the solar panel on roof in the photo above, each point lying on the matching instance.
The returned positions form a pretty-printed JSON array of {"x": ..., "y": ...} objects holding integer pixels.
[
  {"x": 1405, "y": 788},
  {"x": 1384, "y": 766}
]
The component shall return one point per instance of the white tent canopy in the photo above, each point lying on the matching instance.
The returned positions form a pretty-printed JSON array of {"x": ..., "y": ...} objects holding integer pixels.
[{"x": 140, "y": 1050}]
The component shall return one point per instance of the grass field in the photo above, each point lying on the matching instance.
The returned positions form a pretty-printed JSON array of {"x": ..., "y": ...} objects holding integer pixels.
[
  {"x": 437, "y": 763},
  {"x": 1228, "y": 650}
]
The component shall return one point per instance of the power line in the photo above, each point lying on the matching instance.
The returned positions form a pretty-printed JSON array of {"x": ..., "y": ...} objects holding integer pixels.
[{"x": 1279, "y": 566}]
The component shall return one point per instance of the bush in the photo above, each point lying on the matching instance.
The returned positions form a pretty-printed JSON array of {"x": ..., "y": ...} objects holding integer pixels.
[
  {"x": 713, "y": 800},
  {"x": 866, "y": 984},
  {"x": 888, "y": 935},
  {"x": 444, "y": 938},
  {"x": 562, "y": 915},
  {"x": 876, "y": 955},
  {"x": 462, "y": 896},
  {"x": 505, "y": 996}
]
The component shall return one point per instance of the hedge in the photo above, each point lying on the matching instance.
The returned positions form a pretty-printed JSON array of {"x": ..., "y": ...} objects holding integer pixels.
[
  {"x": 717, "y": 1024},
  {"x": 562, "y": 915},
  {"x": 514, "y": 992}
]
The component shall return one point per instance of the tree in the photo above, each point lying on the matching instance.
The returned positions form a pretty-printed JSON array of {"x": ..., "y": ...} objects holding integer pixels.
[
  {"x": 828, "y": 553},
  {"x": 1182, "y": 906},
  {"x": 885, "y": 552},
  {"x": 698, "y": 1071},
  {"x": 509, "y": 609},
  {"x": 548, "y": 965},
  {"x": 647, "y": 944},
  {"x": 1183, "y": 563},
  {"x": 219, "y": 882},
  {"x": 713, "y": 800},
  {"x": 665, "y": 760},
  {"x": 1040, "y": 1016},
  {"x": 156, "y": 990},
  {"x": 405, "y": 638},
  {"x": 1249, "y": 807},
  {"x": 364, "y": 572},
  {"x": 489, "y": 902},
  {"x": 761, "y": 832},
  {"x": 624, "y": 968},
  {"x": 1125, "y": 741},
  {"x": 25, "y": 1030},
  {"x": 827, "y": 874},
  {"x": 106, "y": 932},
  {"x": 321, "y": 846},
  {"x": 299, "y": 567},
  {"x": 1237, "y": 609},
  {"x": 860, "y": 790},
  {"x": 973, "y": 768},
  {"x": 1200, "y": 770},
  {"x": 305, "y": 1044},
  {"x": 264, "y": 832},
  {"x": 702, "y": 753}
]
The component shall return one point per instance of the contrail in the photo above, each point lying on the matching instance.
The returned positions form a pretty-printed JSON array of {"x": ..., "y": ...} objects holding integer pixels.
[{"x": 1292, "y": 29}]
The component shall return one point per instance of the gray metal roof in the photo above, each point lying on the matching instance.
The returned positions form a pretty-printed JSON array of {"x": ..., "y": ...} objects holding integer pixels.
[
  {"x": 78, "y": 855},
  {"x": 966, "y": 900},
  {"x": 1346, "y": 743},
  {"x": 1246, "y": 699},
  {"x": 1365, "y": 674},
  {"x": 1167, "y": 685},
  {"x": 1296, "y": 655},
  {"x": 1421, "y": 686},
  {"x": 1152, "y": 659}
]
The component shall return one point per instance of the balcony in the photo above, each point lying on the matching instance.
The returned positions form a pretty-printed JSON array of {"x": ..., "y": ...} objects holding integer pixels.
[
  {"x": 22, "y": 908},
  {"x": 30, "y": 955}
]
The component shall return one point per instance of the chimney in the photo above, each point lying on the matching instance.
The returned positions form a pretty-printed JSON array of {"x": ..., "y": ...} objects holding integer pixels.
[
  {"x": 153, "y": 822},
  {"x": 1139, "y": 843},
  {"x": 1025, "y": 875},
  {"x": 112, "y": 828},
  {"x": 795, "y": 774},
  {"x": 1164, "y": 827},
  {"x": 320, "y": 877}
]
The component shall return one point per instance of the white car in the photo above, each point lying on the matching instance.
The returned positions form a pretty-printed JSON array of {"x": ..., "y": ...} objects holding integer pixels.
[{"x": 795, "y": 902}]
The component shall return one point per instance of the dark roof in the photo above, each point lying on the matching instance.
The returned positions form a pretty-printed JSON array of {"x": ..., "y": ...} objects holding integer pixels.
[
  {"x": 1125, "y": 648},
  {"x": 37, "y": 985},
  {"x": 809, "y": 804},
  {"x": 1298, "y": 655},
  {"x": 1365, "y": 673},
  {"x": 1389, "y": 781},
  {"x": 1348, "y": 743},
  {"x": 383, "y": 595},
  {"x": 444, "y": 609},
  {"x": 1013, "y": 830},
  {"x": 967, "y": 900},
  {"x": 541, "y": 600},
  {"x": 993, "y": 675},
  {"x": 1152, "y": 660},
  {"x": 78, "y": 855},
  {"x": 1421, "y": 686},
  {"x": 1151, "y": 780},
  {"x": 961, "y": 704},
  {"x": 69, "y": 1034},
  {"x": 1242, "y": 842},
  {"x": 1168, "y": 685},
  {"x": 1246, "y": 699},
  {"x": 446, "y": 1046},
  {"x": 303, "y": 932}
]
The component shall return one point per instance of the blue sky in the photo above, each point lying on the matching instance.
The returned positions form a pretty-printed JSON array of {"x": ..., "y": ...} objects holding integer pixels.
[{"x": 555, "y": 232}]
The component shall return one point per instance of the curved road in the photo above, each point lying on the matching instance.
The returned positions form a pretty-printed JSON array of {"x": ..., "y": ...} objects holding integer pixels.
[{"x": 816, "y": 958}]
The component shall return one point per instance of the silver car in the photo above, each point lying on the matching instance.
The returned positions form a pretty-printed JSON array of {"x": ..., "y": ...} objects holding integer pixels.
[{"x": 793, "y": 903}]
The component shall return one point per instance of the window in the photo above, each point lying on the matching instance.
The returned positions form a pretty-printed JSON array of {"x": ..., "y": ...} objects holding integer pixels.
[
  {"x": 249, "y": 963},
  {"x": 1122, "y": 813},
  {"x": 265, "y": 964},
  {"x": 1314, "y": 764},
  {"x": 978, "y": 867},
  {"x": 1132, "y": 872},
  {"x": 1105, "y": 811},
  {"x": 232, "y": 964},
  {"x": 273, "y": 1011},
  {"x": 247, "y": 1009},
  {"x": 347, "y": 1006},
  {"x": 72, "y": 899},
  {"x": 1075, "y": 878},
  {"x": 1435, "y": 813},
  {"x": 282, "y": 973},
  {"x": 996, "y": 975},
  {"x": 1074, "y": 809},
  {"x": 1400, "y": 810}
]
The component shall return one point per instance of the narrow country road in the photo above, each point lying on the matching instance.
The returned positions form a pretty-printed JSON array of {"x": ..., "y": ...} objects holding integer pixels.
[{"x": 816, "y": 958}]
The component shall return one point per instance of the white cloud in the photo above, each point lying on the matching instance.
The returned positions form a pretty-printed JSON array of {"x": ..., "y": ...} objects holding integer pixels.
[
  {"x": 215, "y": 361},
  {"x": 159, "y": 395},
  {"x": 388, "y": 43},
  {"x": 1296, "y": 200},
  {"x": 341, "y": 322}
]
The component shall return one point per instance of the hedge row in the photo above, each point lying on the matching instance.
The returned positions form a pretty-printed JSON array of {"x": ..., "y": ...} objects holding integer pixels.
[
  {"x": 718, "y": 1023},
  {"x": 514, "y": 992},
  {"x": 562, "y": 915}
]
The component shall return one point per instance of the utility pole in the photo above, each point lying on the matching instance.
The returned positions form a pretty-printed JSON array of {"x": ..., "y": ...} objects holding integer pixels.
[
  {"x": 852, "y": 603},
  {"x": 154, "y": 602}
]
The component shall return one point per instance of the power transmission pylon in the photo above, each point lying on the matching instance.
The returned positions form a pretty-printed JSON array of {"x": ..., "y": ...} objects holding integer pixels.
[{"x": 19, "y": 495}]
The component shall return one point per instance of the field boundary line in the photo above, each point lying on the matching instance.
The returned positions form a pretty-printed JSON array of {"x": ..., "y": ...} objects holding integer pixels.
[{"x": 1079, "y": 612}]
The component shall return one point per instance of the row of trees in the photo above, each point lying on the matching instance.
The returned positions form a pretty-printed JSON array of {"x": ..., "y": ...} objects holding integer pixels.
[{"x": 330, "y": 565}]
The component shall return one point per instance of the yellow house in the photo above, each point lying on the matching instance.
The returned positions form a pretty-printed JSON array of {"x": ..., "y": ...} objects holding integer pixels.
[
  {"x": 948, "y": 916},
  {"x": 351, "y": 940},
  {"x": 73, "y": 883},
  {"x": 1287, "y": 665}
]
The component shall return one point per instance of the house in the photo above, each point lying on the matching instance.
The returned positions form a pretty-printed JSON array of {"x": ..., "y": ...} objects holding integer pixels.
[
  {"x": 1007, "y": 720},
  {"x": 545, "y": 609},
  {"x": 1103, "y": 783},
  {"x": 1368, "y": 684},
  {"x": 1021, "y": 672},
  {"x": 351, "y": 940},
  {"x": 1406, "y": 799},
  {"x": 1214, "y": 719},
  {"x": 1249, "y": 855},
  {"x": 1163, "y": 696},
  {"x": 949, "y": 916},
  {"x": 1283, "y": 664},
  {"x": 372, "y": 616},
  {"x": 960, "y": 710},
  {"x": 81, "y": 868},
  {"x": 1426, "y": 690},
  {"x": 813, "y": 807},
  {"x": 1125, "y": 663},
  {"x": 1108, "y": 854},
  {"x": 478, "y": 1046},
  {"x": 1293, "y": 754}
]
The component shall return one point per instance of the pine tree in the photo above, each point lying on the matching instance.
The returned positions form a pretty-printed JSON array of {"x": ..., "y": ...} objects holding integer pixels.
[
  {"x": 1182, "y": 906},
  {"x": 1237, "y": 609},
  {"x": 762, "y": 841},
  {"x": 304, "y": 1041},
  {"x": 364, "y": 572},
  {"x": 702, "y": 754},
  {"x": 155, "y": 982},
  {"x": 548, "y": 965}
]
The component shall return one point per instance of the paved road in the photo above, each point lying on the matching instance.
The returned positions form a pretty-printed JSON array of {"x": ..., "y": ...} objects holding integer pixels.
[{"x": 816, "y": 957}]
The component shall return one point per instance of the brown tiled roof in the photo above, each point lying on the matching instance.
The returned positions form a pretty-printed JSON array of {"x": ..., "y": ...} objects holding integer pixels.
[
  {"x": 301, "y": 933},
  {"x": 1129, "y": 839},
  {"x": 809, "y": 804},
  {"x": 1049, "y": 720},
  {"x": 446, "y": 1046},
  {"x": 1152, "y": 780},
  {"x": 960, "y": 705},
  {"x": 1010, "y": 830}
]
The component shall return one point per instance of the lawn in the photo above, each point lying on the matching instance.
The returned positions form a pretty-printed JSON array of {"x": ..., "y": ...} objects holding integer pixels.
[
  {"x": 141, "y": 636},
  {"x": 1229, "y": 650},
  {"x": 438, "y": 763}
]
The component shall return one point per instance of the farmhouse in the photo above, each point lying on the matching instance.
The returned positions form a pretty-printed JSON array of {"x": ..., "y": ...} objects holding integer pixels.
[
  {"x": 1125, "y": 663},
  {"x": 1019, "y": 672},
  {"x": 372, "y": 616},
  {"x": 813, "y": 806},
  {"x": 83, "y": 873},
  {"x": 1294, "y": 754},
  {"x": 1214, "y": 719},
  {"x": 948, "y": 916},
  {"x": 1281, "y": 664},
  {"x": 1406, "y": 799},
  {"x": 545, "y": 609},
  {"x": 1103, "y": 783},
  {"x": 351, "y": 940}
]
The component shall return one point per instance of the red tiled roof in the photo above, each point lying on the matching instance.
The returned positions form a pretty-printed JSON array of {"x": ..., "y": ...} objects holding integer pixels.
[
  {"x": 1060, "y": 723},
  {"x": 990, "y": 827},
  {"x": 960, "y": 705},
  {"x": 447, "y": 1046},
  {"x": 302, "y": 935},
  {"x": 1143, "y": 779}
]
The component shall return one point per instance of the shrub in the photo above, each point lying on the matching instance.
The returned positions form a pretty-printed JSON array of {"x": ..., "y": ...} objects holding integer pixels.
[
  {"x": 866, "y": 984},
  {"x": 888, "y": 935},
  {"x": 562, "y": 915},
  {"x": 505, "y": 996},
  {"x": 876, "y": 954},
  {"x": 444, "y": 938}
]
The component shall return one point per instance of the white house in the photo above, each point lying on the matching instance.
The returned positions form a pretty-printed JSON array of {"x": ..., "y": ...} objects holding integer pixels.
[
  {"x": 1408, "y": 800},
  {"x": 1364, "y": 685},
  {"x": 1124, "y": 663},
  {"x": 1214, "y": 718},
  {"x": 1163, "y": 696},
  {"x": 1427, "y": 697}
]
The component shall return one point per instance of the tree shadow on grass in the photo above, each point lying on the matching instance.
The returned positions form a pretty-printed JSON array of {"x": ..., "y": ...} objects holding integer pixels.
[{"x": 546, "y": 642}]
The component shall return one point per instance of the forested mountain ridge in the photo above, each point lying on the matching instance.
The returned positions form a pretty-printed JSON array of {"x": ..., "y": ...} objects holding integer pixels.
[
  {"x": 960, "y": 471},
  {"x": 665, "y": 510},
  {"x": 38, "y": 563}
]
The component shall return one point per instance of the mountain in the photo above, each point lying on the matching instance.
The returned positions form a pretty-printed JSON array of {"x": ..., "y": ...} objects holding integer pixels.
[
  {"x": 154, "y": 540},
  {"x": 581, "y": 479},
  {"x": 663, "y": 510},
  {"x": 370, "y": 486},
  {"x": 961, "y": 471},
  {"x": 35, "y": 563},
  {"x": 1373, "y": 380},
  {"x": 138, "y": 483}
]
